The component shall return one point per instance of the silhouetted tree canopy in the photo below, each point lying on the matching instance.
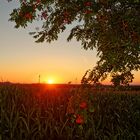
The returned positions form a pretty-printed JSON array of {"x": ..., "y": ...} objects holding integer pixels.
[{"x": 112, "y": 27}]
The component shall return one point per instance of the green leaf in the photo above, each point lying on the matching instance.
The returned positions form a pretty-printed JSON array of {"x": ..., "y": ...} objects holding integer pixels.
[
  {"x": 91, "y": 109},
  {"x": 32, "y": 33},
  {"x": 80, "y": 127}
]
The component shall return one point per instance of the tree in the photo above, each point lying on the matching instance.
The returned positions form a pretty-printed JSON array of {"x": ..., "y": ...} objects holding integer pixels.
[{"x": 110, "y": 26}]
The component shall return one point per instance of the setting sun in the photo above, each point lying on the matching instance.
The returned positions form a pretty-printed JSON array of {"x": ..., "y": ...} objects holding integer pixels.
[{"x": 50, "y": 81}]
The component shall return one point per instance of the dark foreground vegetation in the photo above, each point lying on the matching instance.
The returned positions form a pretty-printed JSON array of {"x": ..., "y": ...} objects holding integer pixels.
[{"x": 39, "y": 112}]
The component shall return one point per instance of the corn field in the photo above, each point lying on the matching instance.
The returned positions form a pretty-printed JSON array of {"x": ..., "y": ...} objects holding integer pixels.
[{"x": 39, "y": 112}]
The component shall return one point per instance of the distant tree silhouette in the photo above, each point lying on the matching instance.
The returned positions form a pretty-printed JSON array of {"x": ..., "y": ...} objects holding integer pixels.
[{"x": 110, "y": 26}]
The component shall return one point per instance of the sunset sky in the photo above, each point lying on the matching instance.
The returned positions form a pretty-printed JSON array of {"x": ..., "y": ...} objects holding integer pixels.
[{"x": 22, "y": 60}]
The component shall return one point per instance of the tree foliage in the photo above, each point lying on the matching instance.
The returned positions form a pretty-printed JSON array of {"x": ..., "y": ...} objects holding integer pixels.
[{"x": 110, "y": 26}]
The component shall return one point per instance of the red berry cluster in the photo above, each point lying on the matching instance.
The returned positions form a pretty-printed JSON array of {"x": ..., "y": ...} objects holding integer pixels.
[
  {"x": 28, "y": 16},
  {"x": 44, "y": 15},
  {"x": 88, "y": 4},
  {"x": 83, "y": 105},
  {"x": 79, "y": 119},
  {"x": 66, "y": 17}
]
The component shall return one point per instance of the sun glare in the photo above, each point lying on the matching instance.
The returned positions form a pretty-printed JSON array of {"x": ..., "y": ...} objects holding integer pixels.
[{"x": 50, "y": 81}]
